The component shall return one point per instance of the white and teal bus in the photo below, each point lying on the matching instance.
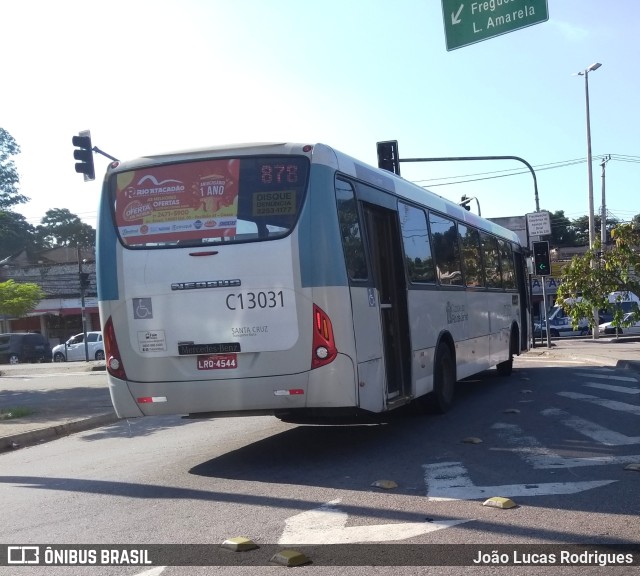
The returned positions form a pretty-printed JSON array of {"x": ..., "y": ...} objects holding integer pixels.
[{"x": 294, "y": 280}]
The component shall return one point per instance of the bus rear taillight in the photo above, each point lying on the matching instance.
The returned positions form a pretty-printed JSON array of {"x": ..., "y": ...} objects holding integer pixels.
[
  {"x": 324, "y": 347},
  {"x": 114, "y": 362}
]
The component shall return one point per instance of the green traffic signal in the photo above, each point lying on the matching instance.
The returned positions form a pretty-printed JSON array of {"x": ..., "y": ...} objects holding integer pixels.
[{"x": 541, "y": 260}]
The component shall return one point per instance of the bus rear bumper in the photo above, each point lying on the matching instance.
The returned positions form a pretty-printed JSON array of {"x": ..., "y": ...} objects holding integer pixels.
[
  {"x": 330, "y": 386},
  {"x": 122, "y": 400}
]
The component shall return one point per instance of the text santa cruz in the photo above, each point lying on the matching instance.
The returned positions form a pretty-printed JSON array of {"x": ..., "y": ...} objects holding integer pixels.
[{"x": 489, "y": 6}]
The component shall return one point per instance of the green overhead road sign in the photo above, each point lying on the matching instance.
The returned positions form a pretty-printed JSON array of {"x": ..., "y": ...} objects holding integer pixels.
[{"x": 467, "y": 22}]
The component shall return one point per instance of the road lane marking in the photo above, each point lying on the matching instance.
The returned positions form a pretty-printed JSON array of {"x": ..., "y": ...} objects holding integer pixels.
[
  {"x": 591, "y": 429},
  {"x": 447, "y": 481},
  {"x": 611, "y": 404},
  {"x": 327, "y": 525},
  {"x": 612, "y": 388},
  {"x": 606, "y": 377},
  {"x": 535, "y": 454},
  {"x": 153, "y": 572}
]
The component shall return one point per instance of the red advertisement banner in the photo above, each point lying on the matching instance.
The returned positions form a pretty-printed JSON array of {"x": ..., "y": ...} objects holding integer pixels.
[{"x": 178, "y": 202}]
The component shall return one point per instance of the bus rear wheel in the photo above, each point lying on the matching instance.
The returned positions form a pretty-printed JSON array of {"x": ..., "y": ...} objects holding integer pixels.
[
  {"x": 444, "y": 379},
  {"x": 506, "y": 368}
]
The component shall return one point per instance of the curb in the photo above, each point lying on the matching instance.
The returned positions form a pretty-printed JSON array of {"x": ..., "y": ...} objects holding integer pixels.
[
  {"x": 11, "y": 443},
  {"x": 633, "y": 365},
  {"x": 629, "y": 365},
  {"x": 559, "y": 353},
  {"x": 52, "y": 367}
]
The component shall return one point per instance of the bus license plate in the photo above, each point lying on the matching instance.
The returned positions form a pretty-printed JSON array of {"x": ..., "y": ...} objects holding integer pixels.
[{"x": 218, "y": 362}]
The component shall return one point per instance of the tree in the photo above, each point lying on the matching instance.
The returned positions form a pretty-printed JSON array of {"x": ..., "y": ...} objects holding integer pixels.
[
  {"x": 16, "y": 300},
  {"x": 585, "y": 287},
  {"x": 580, "y": 227},
  {"x": 562, "y": 233},
  {"x": 9, "y": 195},
  {"x": 16, "y": 233},
  {"x": 59, "y": 227}
]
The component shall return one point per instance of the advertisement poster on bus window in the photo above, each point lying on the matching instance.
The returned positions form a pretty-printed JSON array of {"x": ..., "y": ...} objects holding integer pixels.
[{"x": 178, "y": 202}]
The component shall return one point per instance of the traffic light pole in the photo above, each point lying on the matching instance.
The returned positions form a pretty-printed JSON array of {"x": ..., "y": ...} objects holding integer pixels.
[
  {"x": 465, "y": 158},
  {"x": 544, "y": 307},
  {"x": 98, "y": 151}
]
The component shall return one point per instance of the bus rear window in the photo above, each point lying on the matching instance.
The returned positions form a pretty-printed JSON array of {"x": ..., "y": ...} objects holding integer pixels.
[{"x": 209, "y": 201}]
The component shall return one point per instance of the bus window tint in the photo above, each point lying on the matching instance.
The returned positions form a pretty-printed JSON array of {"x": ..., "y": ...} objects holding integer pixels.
[
  {"x": 446, "y": 250},
  {"x": 471, "y": 256},
  {"x": 417, "y": 249},
  {"x": 491, "y": 256},
  {"x": 350, "y": 231},
  {"x": 507, "y": 265}
]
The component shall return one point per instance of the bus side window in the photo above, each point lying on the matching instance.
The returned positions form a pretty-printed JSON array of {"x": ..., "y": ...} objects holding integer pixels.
[
  {"x": 471, "y": 256},
  {"x": 507, "y": 265},
  {"x": 446, "y": 250},
  {"x": 491, "y": 258},
  {"x": 417, "y": 248},
  {"x": 350, "y": 231}
]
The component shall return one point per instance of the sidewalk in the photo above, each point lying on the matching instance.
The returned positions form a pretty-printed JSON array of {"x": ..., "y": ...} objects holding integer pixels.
[
  {"x": 58, "y": 407},
  {"x": 623, "y": 352},
  {"x": 62, "y": 406}
]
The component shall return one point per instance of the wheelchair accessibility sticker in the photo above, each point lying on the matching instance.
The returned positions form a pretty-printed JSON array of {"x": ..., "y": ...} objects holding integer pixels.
[{"x": 142, "y": 308}]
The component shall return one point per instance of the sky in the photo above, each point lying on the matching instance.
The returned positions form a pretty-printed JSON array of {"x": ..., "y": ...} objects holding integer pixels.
[{"x": 149, "y": 77}]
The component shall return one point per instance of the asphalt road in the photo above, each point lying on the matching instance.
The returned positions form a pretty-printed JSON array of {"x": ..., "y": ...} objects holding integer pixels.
[{"x": 556, "y": 438}]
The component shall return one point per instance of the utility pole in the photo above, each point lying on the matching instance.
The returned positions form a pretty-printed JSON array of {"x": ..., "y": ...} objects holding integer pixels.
[
  {"x": 83, "y": 278},
  {"x": 603, "y": 217}
]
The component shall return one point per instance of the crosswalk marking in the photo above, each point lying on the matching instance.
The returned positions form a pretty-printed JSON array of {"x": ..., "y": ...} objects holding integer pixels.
[
  {"x": 606, "y": 376},
  {"x": 611, "y": 404},
  {"x": 612, "y": 388},
  {"x": 591, "y": 429},
  {"x": 540, "y": 457}
]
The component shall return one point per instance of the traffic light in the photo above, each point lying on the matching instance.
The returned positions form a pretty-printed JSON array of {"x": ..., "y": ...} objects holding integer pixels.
[
  {"x": 84, "y": 154},
  {"x": 388, "y": 158},
  {"x": 84, "y": 280},
  {"x": 464, "y": 202},
  {"x": 541, "y": 262}
]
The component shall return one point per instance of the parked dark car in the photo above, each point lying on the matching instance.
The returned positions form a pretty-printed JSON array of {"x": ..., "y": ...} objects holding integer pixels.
[{"x": 17, "y": 347}]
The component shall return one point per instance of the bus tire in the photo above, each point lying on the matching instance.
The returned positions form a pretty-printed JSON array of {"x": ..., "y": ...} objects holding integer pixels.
[
  {"x": 444, "y": 379},
  {"x": 506, "y": 368}
]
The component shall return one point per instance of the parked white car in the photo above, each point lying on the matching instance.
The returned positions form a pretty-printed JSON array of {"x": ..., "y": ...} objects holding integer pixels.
[
  {"x": 73, "y": 349},
  {"x": 609, "y": 328}
]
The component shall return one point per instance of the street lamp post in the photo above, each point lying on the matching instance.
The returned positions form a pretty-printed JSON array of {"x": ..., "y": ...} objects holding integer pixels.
[{"x": 592, "y": 224}]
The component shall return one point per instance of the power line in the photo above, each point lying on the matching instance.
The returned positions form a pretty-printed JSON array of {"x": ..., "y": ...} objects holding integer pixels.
[
  {"x": 510, "y": 171},
  {"x": 516, "y": 171}
]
